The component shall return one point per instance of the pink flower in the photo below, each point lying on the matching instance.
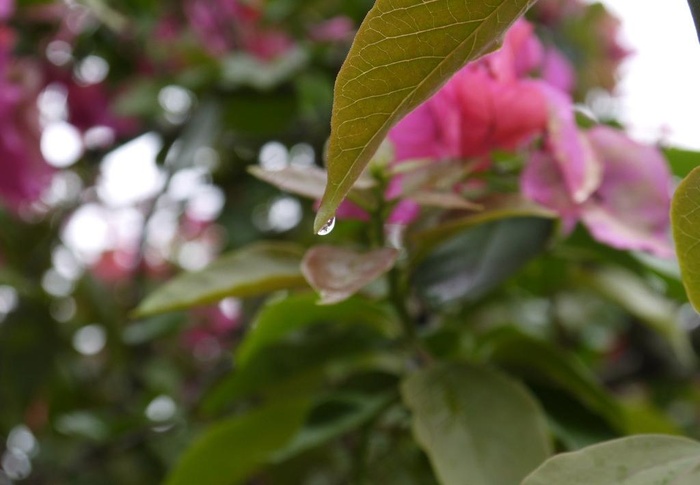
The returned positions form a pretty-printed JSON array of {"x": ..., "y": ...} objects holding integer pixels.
[
  {"x": 336, "y": 29},
  {"x": 25, "y": 173},
  {"x": 487, "y": 105},
  {"x": 224, "y": 26},
  {"x": 7, "y": 9},
  {"x": 558, "y": 71},
  {"x": 629, "y": 206}
]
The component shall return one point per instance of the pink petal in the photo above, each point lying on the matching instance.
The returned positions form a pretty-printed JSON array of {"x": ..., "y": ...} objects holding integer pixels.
[
  {"x": 558, "y": 71},
  {"x": 581, "y": 169},
  {"x": 631, "y": 207},
  {"x": 542, "y": 181}
]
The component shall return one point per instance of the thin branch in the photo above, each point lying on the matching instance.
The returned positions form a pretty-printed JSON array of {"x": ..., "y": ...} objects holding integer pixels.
[{"x": 695, "y": 11}]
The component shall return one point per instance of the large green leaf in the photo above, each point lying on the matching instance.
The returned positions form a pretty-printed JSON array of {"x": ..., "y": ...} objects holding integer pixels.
[
  {"x": 403, "y": 52},
  {"x": 636, "y": 460},
  {"x": 493, "y": 208},
  {"x": 466, "y": 266},
  {"x": 297, "y": 363},
  {"x": 282, "y": 317},
  {"x": 259, "y": 268},
  {"x": 476, "y": 425},
  {"x": 333, "y": 418},
  {"x": 538, "y": 360},
  {"x": 231, "y": 450},
  {"x": 685, "y": 217}
]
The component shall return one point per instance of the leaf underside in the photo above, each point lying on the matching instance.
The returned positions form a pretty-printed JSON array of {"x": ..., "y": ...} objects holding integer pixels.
[{"x": 404, "y": 51}]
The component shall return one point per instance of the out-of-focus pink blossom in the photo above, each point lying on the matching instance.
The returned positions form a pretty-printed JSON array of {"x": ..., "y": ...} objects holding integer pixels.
[
  {"x": 212, "y": 327},
  {"x": 25, "y": 173},
  {"x": 581, "y": 171},
  {"x": 487, "y": 105},
  {"x": 223, "y": 26},
  {"x": 558, "y": 71},
  {"x": 7, "y": 8},
  {"x": 629, "y": 208},
  {"x": 336, "y": 29},
  {"x": 90, "y": 106}
]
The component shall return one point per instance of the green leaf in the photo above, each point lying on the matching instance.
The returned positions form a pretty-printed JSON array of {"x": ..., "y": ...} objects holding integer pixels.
[
  {"x": 255, "y": 269},
  {"x": 685, "y": 218},
  {"x": 282, "y": 317},
  {"x": 466, "y": 266},
  {"x": 338, "y": 273},
  {"x": 335, "y": 418},
  {"x": 636, "y": 460},
  {"x": 476, "y": 425},
  {"x": 532, "y": 358},
  {"x": 634, "y": 295},
  {"x": 403, "y": 52},
  {"x": 492, "y": 209},
  {"x": 681, "y": 161},
  {"x": 231, "y": 450},
  {"x": 298, "y": 362}
]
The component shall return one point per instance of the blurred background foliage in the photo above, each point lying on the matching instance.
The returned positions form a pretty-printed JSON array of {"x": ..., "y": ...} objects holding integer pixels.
[{"x": 150, "y": 114}]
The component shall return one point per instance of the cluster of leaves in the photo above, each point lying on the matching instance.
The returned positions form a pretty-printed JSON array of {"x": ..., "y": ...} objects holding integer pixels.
[{"x": 475, "y": 346}]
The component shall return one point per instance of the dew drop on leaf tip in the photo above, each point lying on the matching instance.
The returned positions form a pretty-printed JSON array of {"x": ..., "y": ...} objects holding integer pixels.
[{"x": 327, "y": 227}]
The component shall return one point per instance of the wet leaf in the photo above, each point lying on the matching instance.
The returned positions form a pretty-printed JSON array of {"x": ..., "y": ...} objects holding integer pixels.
[
  {"x": 337, "y": 273},
  {"x": 476, "y": 425},
  {"x": 255, "y": 269},
  {"x": 685, "y": 217},
  {"x": 636, "y": 460},
  {"x": 403, "y": 52}
]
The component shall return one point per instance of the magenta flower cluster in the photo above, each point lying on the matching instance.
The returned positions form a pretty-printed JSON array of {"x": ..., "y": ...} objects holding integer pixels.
[{"x": 519, "y": 98}]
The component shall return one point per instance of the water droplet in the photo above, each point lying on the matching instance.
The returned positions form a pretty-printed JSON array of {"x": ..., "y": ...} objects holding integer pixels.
[{"x": 327, "y": 227}]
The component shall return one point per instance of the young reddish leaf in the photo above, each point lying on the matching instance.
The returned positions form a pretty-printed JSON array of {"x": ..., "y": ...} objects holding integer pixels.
[
  {"x": 338, "y": 273},
  {"x": 403, "y": 52},
  {"x": 309, "y": 182}
]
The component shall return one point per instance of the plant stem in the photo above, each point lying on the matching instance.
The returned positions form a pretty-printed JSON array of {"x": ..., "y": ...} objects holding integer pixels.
[{"x": 695, "y": 11}]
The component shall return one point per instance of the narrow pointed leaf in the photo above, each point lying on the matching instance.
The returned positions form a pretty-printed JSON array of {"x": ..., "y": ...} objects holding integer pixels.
[
  {"x": 403, "y": 52},
  {"x": 685, "y": 216},
  {"x": 636, "y": 460},
  {"x": 476, "y": 425},
  {"x": 256, "y": 269}
]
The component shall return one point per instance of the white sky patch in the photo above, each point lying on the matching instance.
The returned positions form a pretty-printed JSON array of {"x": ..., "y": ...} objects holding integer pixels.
[
  {"x": 659, "y": 92},
  {"x": 129, "y": 173}
]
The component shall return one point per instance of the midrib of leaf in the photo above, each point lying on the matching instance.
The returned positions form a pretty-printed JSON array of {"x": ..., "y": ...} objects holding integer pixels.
[{"x": 337, "y": 190}]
